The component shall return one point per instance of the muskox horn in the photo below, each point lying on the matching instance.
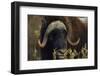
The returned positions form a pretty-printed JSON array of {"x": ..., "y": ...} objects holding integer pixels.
[
  {"x": 52, "y": 26},
  {"x": 69, "y": 36},
  {"x": 73, "y": 43},
  {"x": 43, "y": 42}
]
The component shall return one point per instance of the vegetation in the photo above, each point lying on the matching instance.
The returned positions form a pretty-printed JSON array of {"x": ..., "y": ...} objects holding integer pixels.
[{"x": 70, "y": 54}]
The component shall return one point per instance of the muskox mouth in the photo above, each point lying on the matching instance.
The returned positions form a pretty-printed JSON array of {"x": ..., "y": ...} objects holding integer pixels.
[{"x": 60, "y": 53}]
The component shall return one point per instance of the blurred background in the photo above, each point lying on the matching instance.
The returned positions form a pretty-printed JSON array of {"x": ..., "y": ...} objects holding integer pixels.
[{"x": 34, "y": 26}]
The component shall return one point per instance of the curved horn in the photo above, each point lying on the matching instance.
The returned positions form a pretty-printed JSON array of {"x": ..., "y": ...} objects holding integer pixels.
[
  {"x": 56, "y": 24},
  {"x": 52, "y": 26},
  {"x": 73, "y": 43},
  {"x": 70, "y": 33},
  {"x": 43, "y": 42}
]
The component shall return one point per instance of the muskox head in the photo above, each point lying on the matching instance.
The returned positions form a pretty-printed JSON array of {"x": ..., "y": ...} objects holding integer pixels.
[
  {"x": 55, "y": 34},
  {"x": 60, "y": 33}
]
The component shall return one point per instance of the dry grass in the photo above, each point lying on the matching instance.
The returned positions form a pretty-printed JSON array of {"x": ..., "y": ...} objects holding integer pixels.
[{"x": 70, "y": 54}]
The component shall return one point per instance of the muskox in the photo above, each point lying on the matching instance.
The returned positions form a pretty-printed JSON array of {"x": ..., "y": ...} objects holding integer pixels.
[{"x": 58, "y": 33}]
